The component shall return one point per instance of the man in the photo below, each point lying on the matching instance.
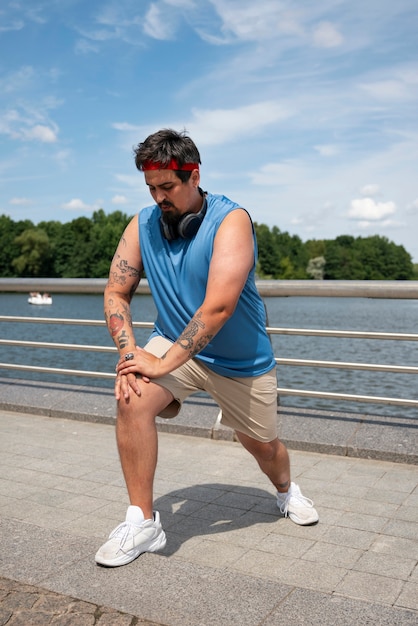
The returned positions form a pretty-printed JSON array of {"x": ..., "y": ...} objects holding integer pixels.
[{"x": 198, "y": 251}]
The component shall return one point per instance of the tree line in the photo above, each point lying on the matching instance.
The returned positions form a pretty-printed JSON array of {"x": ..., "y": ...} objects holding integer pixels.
[{"x": 84, "y": 247}]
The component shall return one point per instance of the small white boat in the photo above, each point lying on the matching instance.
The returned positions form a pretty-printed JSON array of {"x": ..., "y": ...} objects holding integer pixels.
[{"x": 39, "y": 298}]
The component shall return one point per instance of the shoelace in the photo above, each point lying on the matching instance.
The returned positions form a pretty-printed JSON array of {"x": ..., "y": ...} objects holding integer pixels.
[
  {"x": 297, "y": 496},
  {"x": 122, "y": 532}
]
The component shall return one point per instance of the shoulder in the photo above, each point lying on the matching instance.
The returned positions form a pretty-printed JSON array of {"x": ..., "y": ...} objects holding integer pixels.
[
  {"x": 147, "y": 212},
  {"x": 221, "y": 201}
]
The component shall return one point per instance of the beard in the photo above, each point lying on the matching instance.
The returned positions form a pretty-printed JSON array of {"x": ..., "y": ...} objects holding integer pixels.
[{"x": 172, "y": 217}]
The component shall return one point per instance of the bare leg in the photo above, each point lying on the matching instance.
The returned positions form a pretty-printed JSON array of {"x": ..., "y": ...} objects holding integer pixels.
[
  {"x": 272, "y": 458},
  {"x": 137, "y": 440}
]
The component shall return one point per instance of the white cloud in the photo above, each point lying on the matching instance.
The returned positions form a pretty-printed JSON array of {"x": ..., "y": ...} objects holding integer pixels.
[
  {"x": 17, "y": 127},
  {"x": 219, "y": 126},
  {"x": 386, "y": 90},
  {"x": 327, "y": 150},
  {"x": 157, "y": 24},
  {"x": 181, "y": 4},
  {"x": 20, "y": 201},
  {"x": 119, "y": 199},
  {"x": 250, "y": 21},
  {"x": 84, "y": 46},
  {"x": 370, "y": 190},
  {"x": 125, "y": 126},
  {"x": 14, "y": 25},
  {"x": 62, "y": 157},
  {"x": 367, "y": 209},
  {"x": 18, "y": 80},
  {"x": 77, "y": 205},
  {"x": 39, "y": 132},
  {"x": 286, "y": 173},
  {"x": 326, "y": 35},
  {"x": 412, "y": 209},
  {"x": 384, "y": 224}
]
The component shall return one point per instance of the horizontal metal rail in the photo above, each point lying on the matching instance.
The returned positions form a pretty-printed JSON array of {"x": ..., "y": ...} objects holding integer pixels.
[
  {"x": 397, "y": 369},
  {"x": 271, "y": 330},
  {"x": 56, "y": 370},
  {"x": 347, "y": 396},
  {"x": 56, "y": 346},
  {"x": 63, "y": 320},
  {"x": 281, "y": 391},
  {"x": 349, "y": 334},
  {"x": 371, "y": 367}
]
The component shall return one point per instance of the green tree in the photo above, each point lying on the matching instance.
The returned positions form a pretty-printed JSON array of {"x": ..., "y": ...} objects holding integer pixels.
[
  {"x": 268, "y": 254},
  {"x": 315, "y": 248},
  {"x": 9, "y": 249},
  {"x": 34, "y": 253},
  {"x": 366, "y": 258},
  {"x": 291, "y": 248},
  {"x": 316, "y": 268},
  {"x": 105, "y": 235},
  {"x": 383, "y": 259},
  {"x": 72, "y": 253},
  {"x": 341, "y": 262},
  {"x": 280, "y": 255}
]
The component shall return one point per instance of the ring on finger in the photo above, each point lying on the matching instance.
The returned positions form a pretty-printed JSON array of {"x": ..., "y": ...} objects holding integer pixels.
[{"x": 129, "y": 356}]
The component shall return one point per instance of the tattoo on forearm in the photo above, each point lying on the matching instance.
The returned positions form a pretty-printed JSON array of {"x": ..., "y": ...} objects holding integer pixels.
[
  {"x": 123, "y": 339},
  {"x": 186, "y": 339},
  {"x": 115, "y": 278},
  {"x": 200, "y": 344},
  {"x": 127, "y": 312},
  {"x": 116, "y": 323}
]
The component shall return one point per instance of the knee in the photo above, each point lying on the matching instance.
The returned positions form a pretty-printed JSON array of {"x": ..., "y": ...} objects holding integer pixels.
[
  {"x": 131, "y": 412},
  {"x": 265, "y": 451}
]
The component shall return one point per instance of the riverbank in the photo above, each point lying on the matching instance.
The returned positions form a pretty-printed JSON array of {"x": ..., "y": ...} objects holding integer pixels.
[{"x": 401, "y": 289}]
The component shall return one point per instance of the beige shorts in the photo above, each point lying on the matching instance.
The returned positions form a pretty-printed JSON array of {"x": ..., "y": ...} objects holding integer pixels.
[{"x": 249, "y": 405}]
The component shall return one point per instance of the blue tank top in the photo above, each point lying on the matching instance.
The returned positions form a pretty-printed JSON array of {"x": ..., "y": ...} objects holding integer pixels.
[{"x": 177, "y": 273}]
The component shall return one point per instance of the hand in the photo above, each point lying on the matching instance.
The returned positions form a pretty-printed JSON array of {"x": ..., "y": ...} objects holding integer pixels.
[
  {"x": 142, "y": 363},
  {"x": 125, "y": 384}
]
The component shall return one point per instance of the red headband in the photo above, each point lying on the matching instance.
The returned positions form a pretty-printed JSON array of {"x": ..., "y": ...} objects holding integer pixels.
[{"x": 171, "y": 165}]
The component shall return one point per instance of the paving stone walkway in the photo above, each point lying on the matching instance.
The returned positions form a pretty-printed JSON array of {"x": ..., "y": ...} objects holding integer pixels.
[
  {"x": 230, "y": 559},
  {"x": 26, "y": 605}
]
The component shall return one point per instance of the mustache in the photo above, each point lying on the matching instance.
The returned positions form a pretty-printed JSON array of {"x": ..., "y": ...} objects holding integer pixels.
[{"x": 165, "y": 204}]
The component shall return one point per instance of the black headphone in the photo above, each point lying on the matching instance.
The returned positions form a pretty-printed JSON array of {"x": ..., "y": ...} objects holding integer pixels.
[{"x": 186, "y": 227}]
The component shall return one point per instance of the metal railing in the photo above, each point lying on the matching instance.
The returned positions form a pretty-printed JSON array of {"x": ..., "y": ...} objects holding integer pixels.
[{"x": 272, "y": 331}]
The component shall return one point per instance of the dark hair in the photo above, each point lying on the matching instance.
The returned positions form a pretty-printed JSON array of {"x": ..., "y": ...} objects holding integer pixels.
[{"x": 167, "y": 144}]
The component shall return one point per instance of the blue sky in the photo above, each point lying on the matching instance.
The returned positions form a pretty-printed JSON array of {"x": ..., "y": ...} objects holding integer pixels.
[{"x": 306, "y": 113}]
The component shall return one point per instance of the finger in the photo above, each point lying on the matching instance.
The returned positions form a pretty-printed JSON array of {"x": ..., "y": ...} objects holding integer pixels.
[
  {"x": 124, "y": 387},
  {"x": 117, "y": 388},
  {"x": 133, "y": 383},
  {"x": 123, "y": 367}
]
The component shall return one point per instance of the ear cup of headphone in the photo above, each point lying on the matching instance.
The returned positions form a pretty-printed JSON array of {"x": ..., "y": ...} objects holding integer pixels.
[
  {"x": 169, "y": 230},
  {"x": 189, "y": 225}
]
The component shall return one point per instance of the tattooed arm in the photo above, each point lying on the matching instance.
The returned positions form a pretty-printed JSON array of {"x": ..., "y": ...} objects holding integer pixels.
[
  {"x": 124, "y": 276},
  {"x": 232, "y": 260}
]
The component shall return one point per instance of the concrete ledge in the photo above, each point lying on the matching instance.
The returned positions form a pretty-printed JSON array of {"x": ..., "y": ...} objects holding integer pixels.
[
  {"x": 330, "y": 432},
  {"x": 406, "y": 289}
]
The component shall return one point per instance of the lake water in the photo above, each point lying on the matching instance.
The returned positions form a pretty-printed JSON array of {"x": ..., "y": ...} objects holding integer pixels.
[{"x": 360, "y": 314}]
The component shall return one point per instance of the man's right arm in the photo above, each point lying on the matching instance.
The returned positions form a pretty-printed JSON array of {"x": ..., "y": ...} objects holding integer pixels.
[{"x": 124, "y": 276}]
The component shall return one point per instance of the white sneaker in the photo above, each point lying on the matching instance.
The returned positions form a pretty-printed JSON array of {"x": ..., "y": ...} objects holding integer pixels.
[
  {"x": 294, "y": 505},
  {"x": 131, "y": 538}
]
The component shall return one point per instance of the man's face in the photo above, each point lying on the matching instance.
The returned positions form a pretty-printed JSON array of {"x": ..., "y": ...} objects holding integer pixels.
[{"x": 172, "y": 195}]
